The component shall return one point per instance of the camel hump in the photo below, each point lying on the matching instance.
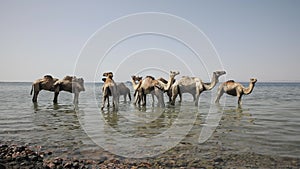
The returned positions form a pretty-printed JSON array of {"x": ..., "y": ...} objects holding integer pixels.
[
  {"x": 69, "y": 78},
  {"x": 151, "y": 77},
  {"x": 162, "y": 80},
  {"x": 48, "y": 77},
  {"x": 230, "y": 81}
]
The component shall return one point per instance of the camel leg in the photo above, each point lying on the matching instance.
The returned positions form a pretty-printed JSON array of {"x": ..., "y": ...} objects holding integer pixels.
[
  {"x": 153, "y": 101},
  {"x": 144, "y": 102},
  {"x": 35, "y": 95},
  {"x": 239, "y": 100},
  {"x": 76, "y": 96},
  {"x": 143, "y": 98},
  {"x": 103, "y": 102},
  {"x": 174, "y": 94},
  {"x": 136, "y": 99},
  {"x": 194, "y": 97},
  {"x": 55, "y": 97},
  {"x": 107, "y": 98},
  {"x": 161, "y": 100},
  {"x": 219, "y": 95},
  {"x": 180, "y": 94},
  {"x": 129, "y": 96},
  {"x": 116, "y": 101},
  {"x": 124, "y": 98},
  {"x": 197, "y": 99}
]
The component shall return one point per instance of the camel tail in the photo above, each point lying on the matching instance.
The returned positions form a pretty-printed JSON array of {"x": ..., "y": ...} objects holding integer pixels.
[
  {"x": 129, "y": 96},
  {"x": 31, "y": 90}
]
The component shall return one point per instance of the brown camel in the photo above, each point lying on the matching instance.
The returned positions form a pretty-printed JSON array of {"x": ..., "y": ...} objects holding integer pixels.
[
  {"x": 194, "y": 86},
  {"x": 45, "y": 83},
  {"x": 109, "y": 88},
  {"x": 70, "y": 84},
  {"x": 235, "y": 89},
  {"x": 124, "y": 91}
]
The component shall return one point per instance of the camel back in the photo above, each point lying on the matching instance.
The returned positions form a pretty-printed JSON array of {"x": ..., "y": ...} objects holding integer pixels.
[
  {"x": 69, "y": 78},
  {"x": 151, "y": 77},
  {"x": 163, "y": 80}
]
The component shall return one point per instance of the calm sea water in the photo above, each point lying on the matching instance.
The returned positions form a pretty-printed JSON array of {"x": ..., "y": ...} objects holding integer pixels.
[{"x": 268, "y": 122}]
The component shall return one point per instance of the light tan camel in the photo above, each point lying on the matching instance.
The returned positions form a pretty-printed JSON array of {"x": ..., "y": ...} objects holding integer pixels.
[
  {"x": 45, "y": 83},
  {"x": 109, "y": 88},
  {"x": 136, "y": 83},
  {"x": 70, "y": 84},
  {"x": 194, "y": 86},
  {"x": 150, "y": 85},
  {"x": 169, "y": 92},
  {"x": 235, "y": 89},
  {"x": 124, "y": 91},
  {"x": 167, "y": 84}
]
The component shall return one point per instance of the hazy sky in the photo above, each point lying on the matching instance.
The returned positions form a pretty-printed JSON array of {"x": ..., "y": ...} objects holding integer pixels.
[{"x": 253, "y": 38}]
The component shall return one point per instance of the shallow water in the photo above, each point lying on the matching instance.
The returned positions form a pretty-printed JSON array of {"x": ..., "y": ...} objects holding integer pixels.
[{"x": 268, "y": 122}]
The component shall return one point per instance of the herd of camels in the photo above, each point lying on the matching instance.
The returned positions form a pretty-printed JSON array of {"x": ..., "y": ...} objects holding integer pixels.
[{"x": 143, "y": 86}]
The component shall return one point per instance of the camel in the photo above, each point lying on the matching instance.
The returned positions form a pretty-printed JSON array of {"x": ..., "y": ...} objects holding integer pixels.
[
  {"x": 235, "y": 89},
  {"x": 45, "y": 83},
  {"x": 136, "y": 83},
  {"x": 194, "y": 86},
  {"x": 109, "y": 88},
  {"x": 70, "y": 84},
  {"x": 124, "y": 91},
  {"x": 167, "y": 84},
  {"x": 150, "y": 85},
  {"x": 169, "y": 92}
]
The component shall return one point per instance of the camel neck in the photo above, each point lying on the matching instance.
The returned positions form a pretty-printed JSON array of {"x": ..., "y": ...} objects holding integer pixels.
[
  {"x": 249, "y": 89},
  {"x": 212, "y": 84}
]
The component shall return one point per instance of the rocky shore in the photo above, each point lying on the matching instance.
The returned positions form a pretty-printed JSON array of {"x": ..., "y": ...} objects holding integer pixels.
[{"x": 21, "y": 156}]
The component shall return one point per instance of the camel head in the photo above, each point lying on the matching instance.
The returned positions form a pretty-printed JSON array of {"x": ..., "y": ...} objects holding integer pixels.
[
  {"x": 108, "y": 74},
  {"x": 80, "y": 81},
  {"x": 136, "y": 78},
  {"x": 253, "y": 80},
  {"x": 219, "y": 73},
  {"x": 174, "y": 73}
]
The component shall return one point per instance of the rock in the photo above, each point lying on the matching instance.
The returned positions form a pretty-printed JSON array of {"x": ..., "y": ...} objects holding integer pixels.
[
  {"x": 68, "y": 165},
  {"x": 102, "y": 159},
  {"x": 218, "y": 159}
]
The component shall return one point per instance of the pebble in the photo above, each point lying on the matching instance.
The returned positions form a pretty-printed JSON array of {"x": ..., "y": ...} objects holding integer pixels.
[{"x": 16, "y": 156}]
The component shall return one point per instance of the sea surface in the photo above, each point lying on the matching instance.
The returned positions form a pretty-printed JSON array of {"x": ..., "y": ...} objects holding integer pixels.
[{"x": 267, "y": 123}]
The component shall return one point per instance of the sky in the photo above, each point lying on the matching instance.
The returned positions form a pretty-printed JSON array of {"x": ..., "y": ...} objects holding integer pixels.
[{"x": 258, "y": 38}]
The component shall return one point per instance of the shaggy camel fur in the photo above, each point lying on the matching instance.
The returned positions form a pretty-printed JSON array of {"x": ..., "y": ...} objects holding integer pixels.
[
  {"x": 109, "y": 88},
  {"x": 235, "y": 89},
  {"x": 194, "y": 86}
]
